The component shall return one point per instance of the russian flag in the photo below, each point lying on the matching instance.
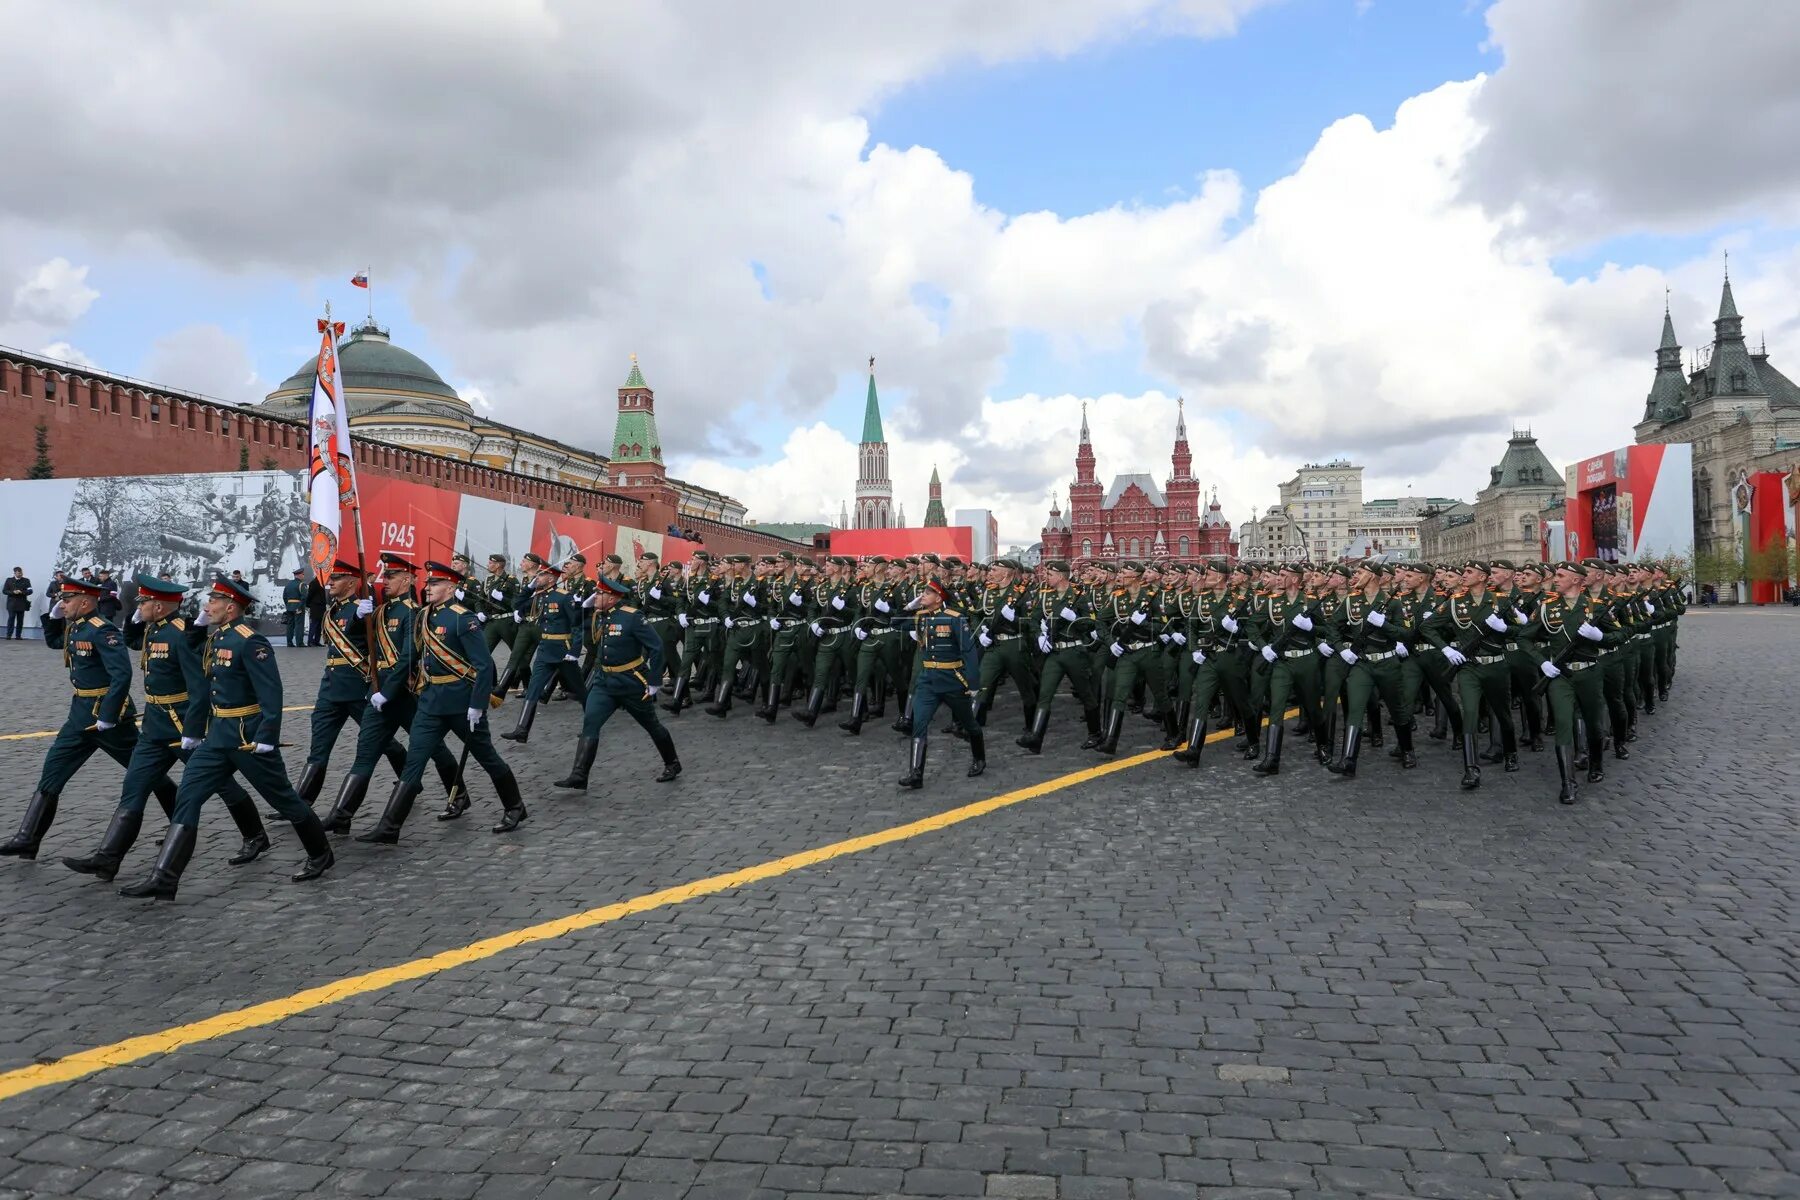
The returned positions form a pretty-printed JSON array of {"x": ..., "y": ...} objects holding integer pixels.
[{"x": 360, "y": 279}]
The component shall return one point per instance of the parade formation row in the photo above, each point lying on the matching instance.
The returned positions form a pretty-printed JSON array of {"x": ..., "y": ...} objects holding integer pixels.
[{"x": 1577, "y": 649}]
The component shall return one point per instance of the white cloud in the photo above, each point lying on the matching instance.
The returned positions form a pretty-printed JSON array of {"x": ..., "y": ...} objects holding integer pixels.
[
  {"x": 64, "y": 352},
  {"x": 55, "y": 294},
  {"x": 208, "y": 360}
]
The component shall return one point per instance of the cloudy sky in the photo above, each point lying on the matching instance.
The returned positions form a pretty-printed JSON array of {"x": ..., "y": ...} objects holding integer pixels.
[{"x": 1382, "y": 229}]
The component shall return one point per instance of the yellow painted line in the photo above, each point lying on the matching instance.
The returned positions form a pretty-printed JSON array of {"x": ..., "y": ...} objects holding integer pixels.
[
  {"x": 89, "y": 1062},
  {"x": 44, "y": 733}
]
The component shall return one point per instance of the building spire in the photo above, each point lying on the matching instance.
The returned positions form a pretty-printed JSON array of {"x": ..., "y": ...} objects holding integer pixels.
[
  {"x": 1180, "y": 419},
  {"x": 1084, "y": 428},
  {"x": 871, "y": 431},
  {"x": 1727, "y": 305}
]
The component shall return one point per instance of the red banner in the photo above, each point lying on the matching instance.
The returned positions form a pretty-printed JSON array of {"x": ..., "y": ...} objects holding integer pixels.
[
  {"x": 903, "y": 542},
  {"x": 406, "y": 518}
]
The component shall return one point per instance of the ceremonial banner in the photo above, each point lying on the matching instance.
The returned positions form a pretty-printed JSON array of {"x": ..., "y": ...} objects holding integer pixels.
[{"x": 333, "y": 474}]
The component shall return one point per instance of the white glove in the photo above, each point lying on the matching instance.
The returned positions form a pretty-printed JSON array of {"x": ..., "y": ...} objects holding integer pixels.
[
  {"x": 1348, "y": 655},
  {"x": 862, "y": 635},
  {"x": 1401, "y": 650},
  {"x": 377, "y": 699},
  {"x": 365, "y": 607},
  {"x": 1550, "y": 670},
  {"x": 774, "y": 622},
  {"x": 190, "y": 743},
  {"x": 1118, "y": 651},
  {"x": 574, "y": 658},
  {"x": 497, "y": 594},
  {"x": 262, "y": 748},
  {"x": 1591, "y": 632},
  {"x": 1179, "y": 638},
  {"x": 1229, "y": 622},
  {"x": 1494, "y": 622},
  {"x": 704, "y": 597},
  {"x": 817, "y": 630},
  {"x": 984, "y": 639},
  {"x": 135, "y": 619},
  {"x": 1303, "y": 623},
  {"x": 650, "y": 693},
  {"x": 1068, "y": 614},
  {"x": 1327, "y": 649},
  {"x": 882, "y": 606},
  {"x": 1044, "y": 643},
  {"x": 481, "y": 618},
  {"x": 1650, "y": 608},
  {"x": 656, "y": 593},
  {"x": 1199, "y": 657},
  {"x": 750, "y": 599},
  {"x": 1268, "y": 653},
  {"x": 681, "y": 619},
  {"x": 837, "y": 602},
  {"x": 474, "y": 715},
  {"x": 458, "y": 593},
  {"x": 796, "y": 599},
  {"x": 1426, "y": 613},
  {"x": 730, "y": 624},
  {"x": 56, "y": 612},
  {"x": 1377, "y": 619},
  {"x": 1006, "y": 610},
  {"x": 103, "y": 726},
  {"x": 1139, "y": 617},
  {"x": 1454, "y": 656},
  {"x": 1163, "y": 638}
]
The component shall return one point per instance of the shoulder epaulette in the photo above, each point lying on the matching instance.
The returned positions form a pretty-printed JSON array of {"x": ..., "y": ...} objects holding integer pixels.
[
  {"x": 243, "y": 630},
  {"x": 178, "y": 622},
  {"x": 457, "y": 608},
  {"x": 627, "y": 608}
]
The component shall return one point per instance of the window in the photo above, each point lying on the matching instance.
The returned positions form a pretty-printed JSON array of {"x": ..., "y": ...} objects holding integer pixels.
[
  {"x": 1087, "y": 547},
  {"x": 1184, "y": 545}
]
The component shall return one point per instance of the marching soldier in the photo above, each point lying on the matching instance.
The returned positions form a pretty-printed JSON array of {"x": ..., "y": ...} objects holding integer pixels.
[
  {"x": 836, "y": 612},
  {"x": 1001, "y": 634},
  {"x": 344, "y": 685},
  {"x": 630, "y": 659},
  {"x": 576, "y": 585},
  {"x": 944, "y": 679},
  {"x": 1425, "y": 667},
  {"x": 1132, "y": 617},
  {"x": 451, "y": 673},
  {"x": 1613, "y": 657},
  {"x": 879, "y": 645},
  {"x": 790, "y": 613},
  {"x": 1371, "y": 645},
  {"x": 1218, "y": 667},
  {"x": 293, "y": 599},
  {"x": 1472, "y": 630},
  {"x": 1285, "y": 619},
  {"x": 100, "y": 717},
  {"x": 1564, "y": 638},
  {"x": 557, "y": 617},
  {"x": 494, "y": 598},
  {"x": 1063, "y": 617},
  {"x": 175, "y": 689},
  {"x": 243, "y": 737},
  {"x": 526, "y": 634},
  {"x": 657, "y": 598},
  {"x": 744, "y": 599}
]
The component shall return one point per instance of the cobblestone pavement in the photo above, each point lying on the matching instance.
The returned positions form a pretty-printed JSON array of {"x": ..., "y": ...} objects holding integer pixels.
[{"x": 1158, "y": 984}]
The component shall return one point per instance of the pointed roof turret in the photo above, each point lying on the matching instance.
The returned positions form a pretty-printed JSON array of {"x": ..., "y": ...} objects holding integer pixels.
[
  {"x": 934, "y": 505},
  {"x": 1730, "y": 371},
  {"x": 871, "y": 431},
  {"x": 1180, "y": 419},
  {"x": 1727, "y": 304},
  {"x": 636, "y": 378},
  {"x": 1084, "y": 428}
]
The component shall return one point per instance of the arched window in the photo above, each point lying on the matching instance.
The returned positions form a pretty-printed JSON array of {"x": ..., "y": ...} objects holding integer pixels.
[
  {"x": 1184, "y": 545},
  {"x": 1087, "y": 547},
  {"x": 1136, "y": 547}
]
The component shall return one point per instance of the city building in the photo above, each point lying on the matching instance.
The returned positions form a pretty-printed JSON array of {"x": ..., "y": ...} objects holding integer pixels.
[
  {"x": 397, "y": 398},
  {"x": 981, "y": 522},
  {"x": 1325, "y": 500},
  {"x": 1503, "y": 522},
  {"x": 1134, "y": 517},
  {"x": 934, "y": 507},
  {"x": 1389, "y": 529},
  {"x": 1739, "y": 412},
  {"x": 874, "y": 505},
  {"x": 1273, "y": 537}
]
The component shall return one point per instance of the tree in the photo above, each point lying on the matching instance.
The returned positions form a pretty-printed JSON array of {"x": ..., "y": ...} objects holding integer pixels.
[
  {"x": 244, "y": 457},
  {"x": 269, "y": 463},
  {"x": 41, "y": 467}
]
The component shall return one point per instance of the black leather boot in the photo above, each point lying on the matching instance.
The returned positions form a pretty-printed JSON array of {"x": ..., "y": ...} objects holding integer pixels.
[
  {"x": 399, "y": 807},
  {"x": 1471, "y": 772},
  {"x": 1372, "y": 723},
  {"x": 815, "y": 700},
  {"x": 349, "y": 799},
  {"x": 665, "y": 746},
  {"x": 1596, "y": 756},
  {"x": 249, "y": 825},
  {"x": 1581, "y": 744},
  {"x": 769, "y": 711},
  {"x": 1094, "y": 738},
  {"x": 1034, "y": 738},
  {"x": 456, "y": 801},
  {"x": 1346, "y": 765},
  {"x": 165, "y": 876},
  {"x": 312, "y": 782},
  {"x": 915, "y": 771},
  {"x": 1171, "y": 729},
  {"x": 1565, "y": 767},
  {"x": 1270, "y": 763},
  {"x": 983, "y": 704},
  {"x": 1440, "y": 723},
  {"x": 721, "y": 700},
  {"x": 104, "y": 862},
  {"x": 1115, "y": 724},
  {"x": 977, "y": 752},
  {"x": 1196, "y": 738},
  {"x": 1619, "y": 750},
  {"x": 40, "y": 810},
  {"x": 678, "y": 699},
  {"x": 1403, "y": 735},
  {"x": 319, "y": 857},
  {"x": 521, "y": 733},
  {"x": 1512, "y": 761},
  {"x": 859, "y": 712},
  {"x": 585, "y": 749},
  {"x": 507, "y": 786},
  {"x": 1252, "y": 749}
]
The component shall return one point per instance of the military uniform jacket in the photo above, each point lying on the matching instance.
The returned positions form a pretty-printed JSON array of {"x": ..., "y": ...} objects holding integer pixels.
[
  {"x": 1204, "y": 630},
  {"x": 879, "y": 603},
  {"x": 949, "y": 649},
  {"x": 658, "y": 598},
  {"x": 558, "y": 616},
  {"x": 99, "y": 669},
  {"x": 293, "y": 594},
  {"x": 1552, "y": 630},
  {"x": 1121, "y": 606},
  {"x": 175, "y": 692},
  {"x": 825, "y": 593},
  {"x": 451, "y": 664},
  {"x": 1273, "y": 614},
  {"x": 791, "y": 602},
  {"x": 480, "y": 597},
  {"x": 1328, "y": 621},
  {"x": 630, "y": 652},
  {"x": 244, "y": 686},
  {"x": 1356, "y": 632},
  {"x": 995, "y": 602},
  {"x": 703, "y": 598},
  {"x": 1050, "y": 619},
  {"x": 746, "y": 602},
  {"x": 394, "y": 620},
  {"x": 1462, "y": 622},
  {"x": 346, "y": 676}
]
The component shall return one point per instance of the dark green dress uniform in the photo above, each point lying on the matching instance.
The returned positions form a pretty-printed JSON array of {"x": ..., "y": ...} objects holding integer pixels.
[
  {"x": 1285, "y": 627},
  {"x": 525, "y": 635},
  {"x": 1477, "y": 628},
  {"x": 944, "y": 678},
  {"x": 629, "y": 659},
  {"x": 243, "y": 737},
  {"x": 293, "y": 599},
  {"x": 834, "y": 658},
  {"x": 1218, "y": 664},
  {"x": 746, "y": 606},
  {"x": 452, "y": 677},
  {"x": 657, "y": 599},
  {"x": 1134, "y": 618},
  {"x": 880, "y": 647},
  {"x": 1422, "y": 667},
  {"x": 493, "y": 598},
  {"x": 99, "y": 669},
  {"x": 1064, "y": 633},
  {"x": 1370, "y": 631},
  {"x": 699, "y": 614},
  {"x": 1004, "y": 648},
  {"x": 1561, "y": 637},
  {"x": 343, "y": 695},
  {"x": 1334, "y": 672},
  {"x": 562, "y": 634},
  {"x": 791, "y": 613}
]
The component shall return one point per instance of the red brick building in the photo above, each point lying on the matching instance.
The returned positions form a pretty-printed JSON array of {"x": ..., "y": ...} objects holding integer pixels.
[{"x": 1134, "y": 518}]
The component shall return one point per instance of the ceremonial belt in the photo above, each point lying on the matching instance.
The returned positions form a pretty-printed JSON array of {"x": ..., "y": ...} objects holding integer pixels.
[
  {"x": 177, "y": 698},
  {"x": 1487, "y": 660},
  {"x": 1076, "y": 645},
  {"x": 347, "y": 653},
  {"x": 1003, "y": 637},
  {"x": 555, "y": 637},
  {"x": 1605, "y": 650},
  {"x": 339, "y": 660},
  {"x": 242, "y": 710},
  {"x": 1512, "y": 645},
  {"x": 447, "y": 658},
  {"x": 943, "y": 666},
  {"x": 697, "y": 622},
  {"x": 1298, "y": 653},
  {"x": 1377, "y": 655},
  {"x": 92, "y": 693},
  {"x": 1640, "y": 637},
  {"x": 442, "y": 679},
  {"x": 633, "y": 665},
  {"x": 1579, "y": 666},
  {"x": 880, "y": 629}
]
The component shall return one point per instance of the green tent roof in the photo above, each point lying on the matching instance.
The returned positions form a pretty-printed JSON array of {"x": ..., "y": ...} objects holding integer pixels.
[{"x": 872, "y": 414}]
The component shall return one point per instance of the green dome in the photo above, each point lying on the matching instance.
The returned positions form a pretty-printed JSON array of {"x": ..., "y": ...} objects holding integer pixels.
[{"x": 371, "y": 363}]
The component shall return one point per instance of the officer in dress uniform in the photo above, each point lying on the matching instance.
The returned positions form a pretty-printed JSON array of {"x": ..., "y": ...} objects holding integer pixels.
[
  {"x": 878, "y": 642},
  {"x": 945, "y": 677},
  {"x": 746, "y": 602},
  {"x": 1472, "y": 629},
  {"x": 1062, "y": 621},
  {"x": 494, "y": 598},
  {"x": 629, "y": 661},
  {"x": 1564, "y": 639},
  {"x": 344, "y": 686},
  {"x": 1208, "y": 648},
  {"x": 834, "y": 618},
  {"x": 557, "y": 616},
  {"x": 1284, "y": 619},
  {"x": 1370, "y": 645},
  {"x": 698, "y": 604},
  {"x": 293, "y": 600},
  {"x": 242, "y": 737},
  {"x": 657, "y": 597},
  {"x": 525, "y": 633},
  {"x": 101, "y": 715},
  {"x": 176, "y": 702},
  {"x": 451, "y": 674},
  {"x": 1004, "y": 609},
  {"x": 791, "y": 611}
]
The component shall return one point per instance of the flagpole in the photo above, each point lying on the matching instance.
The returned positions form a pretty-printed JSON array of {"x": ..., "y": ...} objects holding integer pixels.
[{"x": 369, "y": 287}]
